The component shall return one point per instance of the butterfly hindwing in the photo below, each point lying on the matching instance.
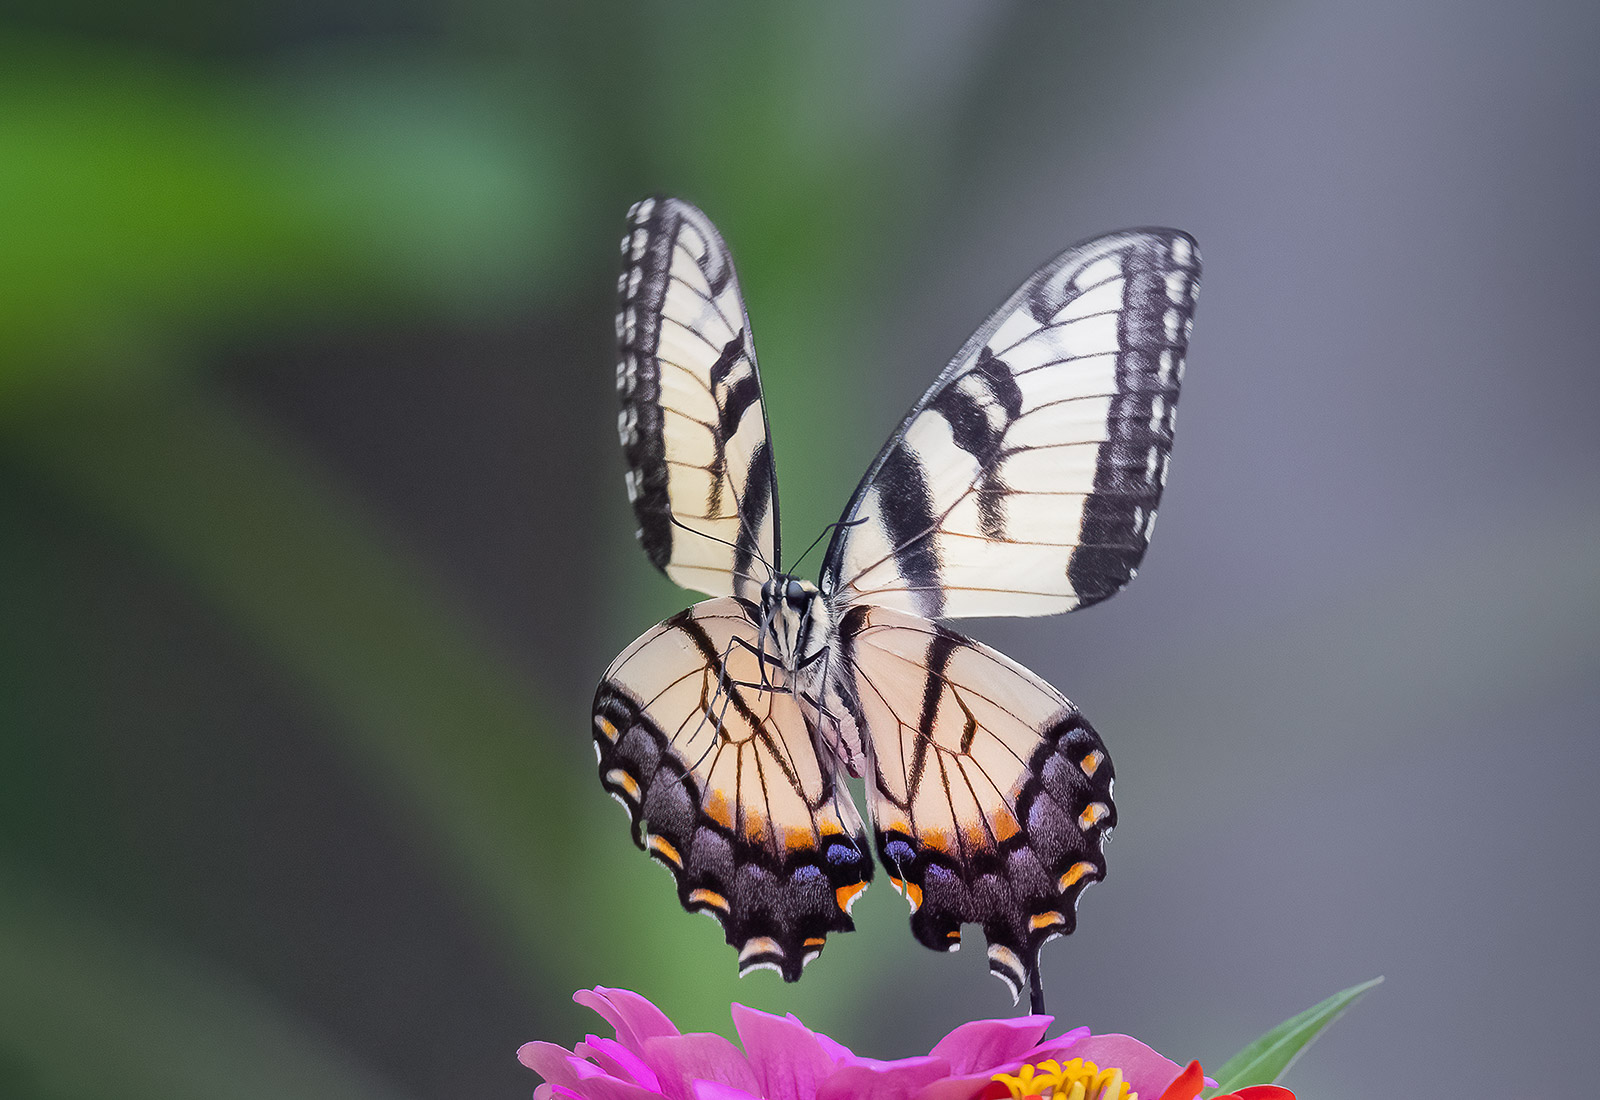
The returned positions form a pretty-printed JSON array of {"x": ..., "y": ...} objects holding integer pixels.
[
  {"x": 1025, "y": 482},
  {"x": 724, "y": 786},
  {"x": 692, "y": 424},
  {"x": 989, "y": 794}
]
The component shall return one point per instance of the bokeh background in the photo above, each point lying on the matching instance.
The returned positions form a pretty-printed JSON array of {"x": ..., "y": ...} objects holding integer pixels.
[{"x": 313, "y": 539}]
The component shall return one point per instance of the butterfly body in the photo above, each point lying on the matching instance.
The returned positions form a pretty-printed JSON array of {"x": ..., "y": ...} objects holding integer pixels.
[
  {"x": 1024, "y": 482},
  {"x": 797, "y": 621}
]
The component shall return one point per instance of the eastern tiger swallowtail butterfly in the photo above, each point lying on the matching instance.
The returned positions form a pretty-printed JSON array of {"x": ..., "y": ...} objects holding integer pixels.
[{"x": 1024, "y": 482}]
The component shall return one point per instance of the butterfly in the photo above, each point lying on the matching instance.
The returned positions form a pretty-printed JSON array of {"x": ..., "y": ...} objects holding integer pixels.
[{"x": 1024, "y": 482}]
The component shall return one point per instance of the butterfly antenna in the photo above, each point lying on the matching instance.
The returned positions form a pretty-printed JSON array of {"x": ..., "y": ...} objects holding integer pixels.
[
  {"x": 676, "y": 522},
  {"x": 819, "y": 538}
]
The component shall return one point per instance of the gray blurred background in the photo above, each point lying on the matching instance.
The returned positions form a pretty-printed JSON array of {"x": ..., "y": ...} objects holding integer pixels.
[{"x": 315, "y": 541}]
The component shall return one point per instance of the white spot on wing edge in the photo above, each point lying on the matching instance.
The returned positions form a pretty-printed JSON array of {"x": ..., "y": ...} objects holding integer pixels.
[
  {"x": 1173, "y": 323},
  {"x": 1170, "y": 364},
  {"x": 760, "y": 945},
  {"x": 1004, "y": 964}
]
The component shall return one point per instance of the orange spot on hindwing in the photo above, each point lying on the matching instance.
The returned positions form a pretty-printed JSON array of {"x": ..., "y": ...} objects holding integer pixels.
[
  {"x": 910, "y": 890},
  {"x": 1075, "y": 873},
  {"x": 708, "y": 898},
  {"x": 716, "y": 807},
  {"x": 661, "y": 846},
  {"x": 846, "y": 895},
  {"x": 1004, "y": 825}
]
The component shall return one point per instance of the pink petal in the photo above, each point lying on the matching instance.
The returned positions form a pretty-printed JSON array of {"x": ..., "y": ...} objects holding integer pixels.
[
  {"x": 788, "y": 1060},
  {"x": 983, "y": 1043},
  {"x": 834, "y": 1049},
  {"x": 635, "y": 1018},
  {"x": 961, "y": 1087},
  {"x": 602, "y": 1087},
  {"x": 870, "y": 1079},
  {"x": 1054, "y": 1048},
  {"x": 618, "y": 1061},
  {"x": 711, "y": 1090},
  {"x": 679, "y": 1060},
  {"x": 966, "y": 1086},
  {"x": 548, "y": 1061},
  {"x": 595, "y": 1083},
  {"x": 1146, "y": 1072}
]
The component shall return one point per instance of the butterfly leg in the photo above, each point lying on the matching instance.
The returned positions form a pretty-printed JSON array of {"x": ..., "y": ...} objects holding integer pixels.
[
  {"x": 719, "y": 694},
  {"x": 763, "y": 659}
]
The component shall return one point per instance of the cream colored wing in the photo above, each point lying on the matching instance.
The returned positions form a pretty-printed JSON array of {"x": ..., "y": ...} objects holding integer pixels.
[
  {"x": 989, "y": 795},
  {"x": 723, "y": 783},
  {"x": 1025, "y": 482},
  {"x": 693, "y": 426}
]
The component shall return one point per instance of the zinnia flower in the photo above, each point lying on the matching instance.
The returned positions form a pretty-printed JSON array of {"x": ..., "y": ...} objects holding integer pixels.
[{"x": 782, "y": 1059}]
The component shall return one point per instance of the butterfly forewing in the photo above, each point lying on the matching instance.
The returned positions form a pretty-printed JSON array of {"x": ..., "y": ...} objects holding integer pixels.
[
  {"x": 1025, "y": 482},
  {"x": 693, "y": 425},
  {"x": 990, "y": 796},
  {"x": 722, "y": 781}
]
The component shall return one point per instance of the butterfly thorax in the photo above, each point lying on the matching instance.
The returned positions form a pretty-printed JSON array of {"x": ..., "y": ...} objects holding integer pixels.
[{"x": 797, "y": 624}]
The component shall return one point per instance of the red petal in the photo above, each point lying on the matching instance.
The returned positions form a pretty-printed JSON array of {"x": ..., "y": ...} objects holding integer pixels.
[
  {"x": 1188, "y": 1084},
  {"x": 1262, "y": 1092},
  {"x": 994, "y": 1090}
]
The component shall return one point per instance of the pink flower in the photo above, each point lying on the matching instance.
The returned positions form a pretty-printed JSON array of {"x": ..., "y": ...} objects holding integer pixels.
[{"x": 782, "y": 1059}]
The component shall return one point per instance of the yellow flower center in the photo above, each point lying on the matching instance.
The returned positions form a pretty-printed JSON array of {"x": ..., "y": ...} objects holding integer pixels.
[{"x": 1077, "y": 1080}]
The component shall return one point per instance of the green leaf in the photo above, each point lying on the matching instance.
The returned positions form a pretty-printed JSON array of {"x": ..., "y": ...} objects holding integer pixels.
[{"x": 1266, "y": 1059}]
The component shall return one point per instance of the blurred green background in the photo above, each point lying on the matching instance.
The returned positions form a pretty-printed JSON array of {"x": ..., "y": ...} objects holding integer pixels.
[{"x": 313, "y": 539}]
